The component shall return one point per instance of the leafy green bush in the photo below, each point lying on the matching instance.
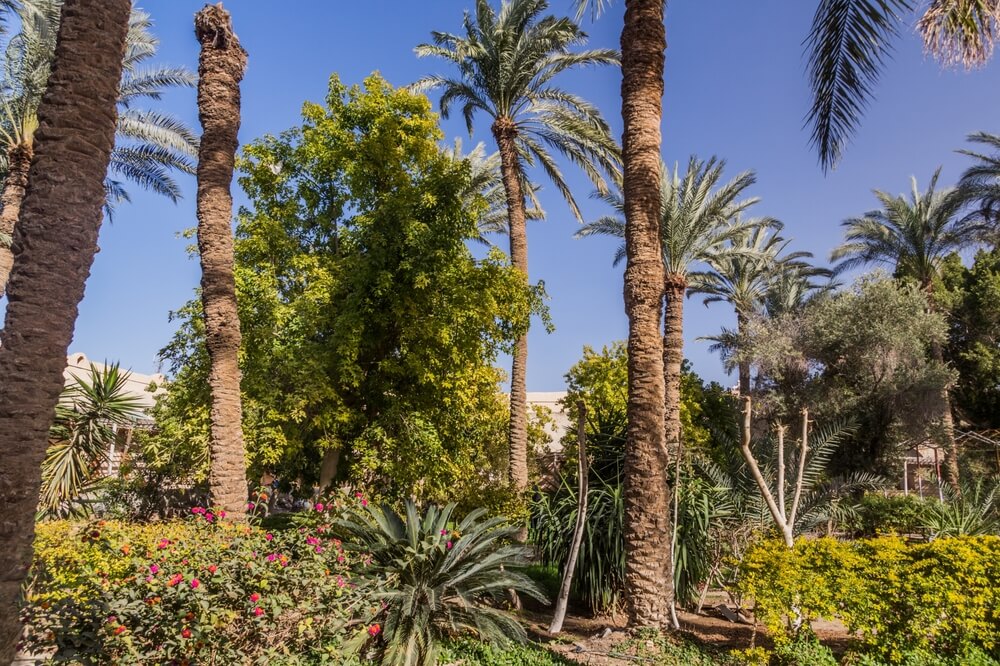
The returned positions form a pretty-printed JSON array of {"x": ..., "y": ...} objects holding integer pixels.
[
  {"x": 470, "y": 653},
  {"x": 201, "y": 590},
  {"x": 879, "y": 514},
  {"x": 941, "y": 597},
  {"x": 436, "y": 578}
]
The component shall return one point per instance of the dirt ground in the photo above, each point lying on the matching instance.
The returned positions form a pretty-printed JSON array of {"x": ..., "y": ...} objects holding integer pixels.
[{"x": 597, "y": 640}]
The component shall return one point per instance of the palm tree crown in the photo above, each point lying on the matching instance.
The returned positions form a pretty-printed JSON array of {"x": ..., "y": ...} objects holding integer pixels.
[
  {"x": 506, "y": 62},
  {"x": 980, "y": 184},
  {"x": 697, "y": 214},
  {"x": 149, "y": 144},
  {"x": 912, "y": 235}
]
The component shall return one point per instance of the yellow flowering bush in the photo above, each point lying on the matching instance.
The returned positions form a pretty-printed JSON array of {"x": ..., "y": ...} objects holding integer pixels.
[{"x": 941, "y": 597}]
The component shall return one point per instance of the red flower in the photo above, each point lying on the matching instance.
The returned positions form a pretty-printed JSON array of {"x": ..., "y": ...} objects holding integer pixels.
[
  {"x": 254, "y": 597},
  {"x": 269, "y": 536},
  {"x": 258, "y": 611},
  {"x": 120, "y": 629},
  {"x": 175, "y": 579},
  {"x": 195, "y": 583},
  {"x": 222, "y": 514},
  {"x": 185, "y": 632},
  {"x": 212, "y": 568},
  {"x": 319, "y": 506},
  {"x": 374, "y": 629}
]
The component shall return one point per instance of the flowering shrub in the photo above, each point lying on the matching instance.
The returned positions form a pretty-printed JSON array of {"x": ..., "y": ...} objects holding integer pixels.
[
  {"x": 941, "y": 597},
  {"x": 200, "y": 590}
]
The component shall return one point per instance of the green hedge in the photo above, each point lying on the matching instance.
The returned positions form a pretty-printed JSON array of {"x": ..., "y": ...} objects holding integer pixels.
[{"x": 940, "y": 598}]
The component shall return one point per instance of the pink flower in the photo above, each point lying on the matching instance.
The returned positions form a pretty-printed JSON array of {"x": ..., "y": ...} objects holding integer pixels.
[
  {"x": 340, "y": 558},
  {"x": 250, "y": 506},
  {"x": 448, "y": 545},
  {"x": 163, "y": 543},
  {"x": 222, "y": 514},
  {"x": 254, "y": 598},
  {"x": 197, "y": 509},
  {"x": 358, "y": 495},
  {"x": 312, "y": 541},
  {"x": 319, "y": 506},
  {"x": 443, "y": 532},
  {"x": 175, "y": 579},
  {"x": 364, "y": 502},
  {"x": 149, "y": 579},
  {"x": 269, "y": 536},
  {"x": 153, "y": 569},
  {"x": 272, "y": 557},
  {"x": 319, "y": 549},
  {"x": 209, "y": 517},
  {"x": 195, "y": 583},
  {"x": 258, "y": 611},
  {"x": 340, "y": 581}
]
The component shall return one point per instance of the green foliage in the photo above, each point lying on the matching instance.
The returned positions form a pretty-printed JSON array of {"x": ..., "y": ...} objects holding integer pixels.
[
  {"x": 975, "y": 511},
  {"x": 370, "y": 331},
  {"x": 803, "y": 650},
  {"x": 202, "y": 590},
  {"x": 941, "y": 597},
  {"x": 87, "y": 416},
  {"x": 879, "y": 514},
  {"x": 437, "y": 578},
  {"x": 483, "y": 654}
]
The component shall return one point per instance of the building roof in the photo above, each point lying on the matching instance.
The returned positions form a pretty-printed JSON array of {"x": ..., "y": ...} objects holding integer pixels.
[{"x": 137, "y": 385}]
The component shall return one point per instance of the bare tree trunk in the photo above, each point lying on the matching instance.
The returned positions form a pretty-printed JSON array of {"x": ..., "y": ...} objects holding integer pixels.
[
  {"x": 800, "y": 477},
  {"x": 18, "y": 163},
  {"x": 220, "y": 70},
  {"x": 744, "y": 366},
  {"x": 649, "y": 590},
  {"x": 55, "y": 241},
  {"x": 505, "y": 133},
  {"x": 947, "y": 424},
  {"x": 772, "y": 506},
  {"x": 583, "y": 469}
]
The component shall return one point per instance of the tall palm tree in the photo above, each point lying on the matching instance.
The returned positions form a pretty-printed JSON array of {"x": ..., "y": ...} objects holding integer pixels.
[
  {"x": 220, "y": 70},
  {"x": 696, "y": 226},
  {"x": 746, "y": 274},
  {"x": 61, "y": 216},
  {"x": 914, "y": 236},
  {"x": 850, "y": 41},
  {"x": 149, "y": 144},
  {"x": 507, "y": 61}
]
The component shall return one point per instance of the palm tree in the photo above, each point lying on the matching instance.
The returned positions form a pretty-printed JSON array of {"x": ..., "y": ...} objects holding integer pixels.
[
  {"x": 61, "y": 216},
  {"x": 696, "y": 214},
  {"x": 220, "y": 70},
  {"x": 746, "y": 274},
  {"x": 149, "y": 144},
  {"x": 850, "y": 40},
  {"x": 980, "y": 183},
  {"x": 914, "y": 236},
  {"x": 507, "y": 61}
]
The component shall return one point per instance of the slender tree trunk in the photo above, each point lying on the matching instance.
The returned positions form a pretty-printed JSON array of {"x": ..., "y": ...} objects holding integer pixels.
[
  {"x": 220, "y": 70},
  {"x": 744, "y": 366},
  {"x": 947, "y": 435},
  {"x": 18, "y": 163},
  {"x": 673, "y": 359},
  {"x": 583, "y": 470},
  {"x": 649, "y": 590},
  {"x": 55, "y": 241},
  {"x": 505, "y": 133}
]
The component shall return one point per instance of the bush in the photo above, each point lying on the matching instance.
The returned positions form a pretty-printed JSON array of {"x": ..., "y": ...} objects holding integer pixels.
[
  {"x": 470, "y": 653},
  {"x": 879, "y": 514},
  {"x": 201, "y": 590},
  {"x": 941, "y": 597},
  {"x": 436, "y": 578}
]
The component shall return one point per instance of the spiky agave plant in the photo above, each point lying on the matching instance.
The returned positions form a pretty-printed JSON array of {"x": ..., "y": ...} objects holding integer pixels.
[
  {"x": 972, "y": 512},
  {"x": 438, "y": 577}
]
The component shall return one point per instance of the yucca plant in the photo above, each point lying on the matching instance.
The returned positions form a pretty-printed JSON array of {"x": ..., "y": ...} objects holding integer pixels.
[
  {"x": 88, "y": 413},
  {"x": 437, "y": 578},
  {"x": 973, "y": 511}
]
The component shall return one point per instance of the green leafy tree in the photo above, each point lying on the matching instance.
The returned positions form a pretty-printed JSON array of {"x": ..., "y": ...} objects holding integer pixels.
[
  {"x": 914, "y": 236},
  {"x": 369, "y": 329},
  {"x": 507, "y": 62}
]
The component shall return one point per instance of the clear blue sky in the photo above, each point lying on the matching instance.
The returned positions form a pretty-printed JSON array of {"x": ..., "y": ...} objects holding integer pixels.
[{"x": 735, "y": 87}]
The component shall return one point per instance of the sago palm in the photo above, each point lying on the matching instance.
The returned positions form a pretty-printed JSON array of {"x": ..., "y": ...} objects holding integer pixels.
[
  {"x": 149, "y": 144},
  {"x": 913, "y": 236},
  {"x": 507, "y": 62},
  {"x": 744, "y": 276},
  {"x": 698, "y": 223}
]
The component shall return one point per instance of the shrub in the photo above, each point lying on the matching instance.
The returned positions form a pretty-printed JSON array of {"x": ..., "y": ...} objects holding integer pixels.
[
  {"x": 879, "y": 514},
  {"x": 941, "y": 597},
  {"x": 471, "y": 653},
  {"x": 436, "y": 578},
  {"x": 201, "y": 590}
]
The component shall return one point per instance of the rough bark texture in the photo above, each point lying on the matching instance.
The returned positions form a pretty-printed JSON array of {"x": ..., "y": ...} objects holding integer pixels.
[
  {"x": 18, "y": 163},
  {"x": 744, "y": 366},
  {"x": 220, "y": 70},
  {"x": 649, "y": 590},
  {"x": 55, "y": 241},
  {"x": 505, "y": 133},
  {"x": 675, "y": 287},
  {"x": 947, "y": 424}
]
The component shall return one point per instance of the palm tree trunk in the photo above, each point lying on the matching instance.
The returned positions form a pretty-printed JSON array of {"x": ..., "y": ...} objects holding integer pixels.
[
  {"x": 220, "y": 70},
  {"x": 673, "y": 359},
  {"x": 57, "y": 240},
  {"x": 505, "y": 133},
  {"x": 947, "y": 434},
  {"x": 18, "y": 163},
  {"x": 649, "y": 589},
  {"x": 744, "y": 366}
]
